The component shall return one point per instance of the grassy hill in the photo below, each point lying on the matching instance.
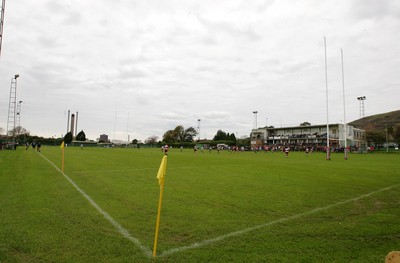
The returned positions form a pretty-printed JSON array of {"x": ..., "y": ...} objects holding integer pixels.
[{"x": 378, "y": 122}]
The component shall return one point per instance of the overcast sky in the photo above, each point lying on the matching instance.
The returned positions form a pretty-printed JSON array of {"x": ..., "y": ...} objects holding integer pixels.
[{"x": 144, "y": 67}]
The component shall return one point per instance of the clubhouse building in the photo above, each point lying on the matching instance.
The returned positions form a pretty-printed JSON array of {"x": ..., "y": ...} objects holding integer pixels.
[{"x": 309, "y": 136}]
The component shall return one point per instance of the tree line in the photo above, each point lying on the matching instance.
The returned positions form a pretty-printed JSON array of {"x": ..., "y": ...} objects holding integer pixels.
[{"x": 187, "y": 138}]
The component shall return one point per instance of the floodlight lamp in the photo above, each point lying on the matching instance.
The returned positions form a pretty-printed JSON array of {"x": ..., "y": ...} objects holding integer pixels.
[{"x": 16, "y": 76}]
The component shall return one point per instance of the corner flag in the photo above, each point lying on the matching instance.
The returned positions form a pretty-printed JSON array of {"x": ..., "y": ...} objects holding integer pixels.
[
  {"x": 62, "y": 145},
  {"x": 160, "y": 176},
  {"x": 162, "y": 170}
]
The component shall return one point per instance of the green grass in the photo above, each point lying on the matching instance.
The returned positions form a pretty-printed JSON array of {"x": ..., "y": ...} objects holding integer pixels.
[{"x": 43, "y": 218}]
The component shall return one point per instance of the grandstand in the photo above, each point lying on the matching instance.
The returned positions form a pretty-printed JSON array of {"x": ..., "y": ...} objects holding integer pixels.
[{"x": 310, "y": 135}]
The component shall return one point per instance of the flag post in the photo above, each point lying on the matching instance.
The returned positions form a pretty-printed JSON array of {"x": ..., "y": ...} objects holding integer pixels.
[
  {"x": 62, "y": 156},
  {"x": 158, "y": 219},
  {"x": 160, "y": 175}
]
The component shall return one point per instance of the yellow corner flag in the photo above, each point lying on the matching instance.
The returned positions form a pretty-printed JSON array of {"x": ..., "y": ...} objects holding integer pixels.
[
  {"x": 160, "y": 176},
  {"x": 62, "y": 145},
  {"x": 162, "y": 170}
]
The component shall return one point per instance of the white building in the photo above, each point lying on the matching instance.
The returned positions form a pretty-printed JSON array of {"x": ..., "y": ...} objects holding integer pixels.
[{"x": 312, "y": 135}]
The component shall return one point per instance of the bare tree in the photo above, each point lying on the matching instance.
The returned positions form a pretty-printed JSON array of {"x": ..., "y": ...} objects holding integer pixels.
[
  {"x": 20, "y": 130},
  {"x": 151, "y": 140}
]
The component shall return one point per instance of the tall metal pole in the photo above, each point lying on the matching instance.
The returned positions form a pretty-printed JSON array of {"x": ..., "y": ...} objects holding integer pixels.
[
  {"x": 344, "y": 110},
  {"x": 328, "y": 157},
  {"x": 198, "y": 128},
  {"x": 255, "y": 119},
  {"x": 12, "y": 108},
  {"x": 19, "y": 116},
  {"x": 3, "y": 6},
  {"x": 362, "y": 109}
]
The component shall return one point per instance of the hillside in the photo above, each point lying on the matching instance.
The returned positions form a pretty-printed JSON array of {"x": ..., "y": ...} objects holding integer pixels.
[{"x": 378, "y": 122}]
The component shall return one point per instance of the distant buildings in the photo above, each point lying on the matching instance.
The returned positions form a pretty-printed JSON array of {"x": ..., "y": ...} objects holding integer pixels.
[
  {"x": 312, "y": 135},
  {"x": 103, "y": 138}
]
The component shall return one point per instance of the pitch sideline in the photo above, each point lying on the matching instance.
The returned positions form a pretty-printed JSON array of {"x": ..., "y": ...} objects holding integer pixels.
[{"x": 107, "y": 216}]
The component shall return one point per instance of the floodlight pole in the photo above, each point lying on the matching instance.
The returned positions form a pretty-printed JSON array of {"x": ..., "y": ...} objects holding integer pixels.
[
  {"x": 328, "y": 156},
  {"x": 12, "y": 108},
  {"x": 198, "y": 128},
  {"x": 3, "y": 6},
  {"x": 19, "y": 116},
  {"x": 255, "y": 119},
  {"x": 344, "y": 110},
  {"x": 362, "y": 109}
]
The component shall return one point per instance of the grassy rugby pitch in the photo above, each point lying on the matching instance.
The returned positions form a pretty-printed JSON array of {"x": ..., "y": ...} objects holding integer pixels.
[{"x": 227, "y": 207}]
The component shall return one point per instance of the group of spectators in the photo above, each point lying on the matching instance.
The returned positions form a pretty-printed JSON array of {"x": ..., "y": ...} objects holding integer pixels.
[
  {"x": 14, "y": 145},
  {"x": 303, "y": 148}
]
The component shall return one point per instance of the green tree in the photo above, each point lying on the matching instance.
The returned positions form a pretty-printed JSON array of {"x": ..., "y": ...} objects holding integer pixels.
[
  {"x": 220, "y": 136},
  {"x": 396, "y": 133},
  {"x": 68, "y": 138},
  {"x": 378, "y": 137},
  {"x": 390, "y": 130},
  {"x": 169, "y": 136},
  {"x": 244, "y": 141},
  {"x": 306, "y": 123},
  {"x": 179, "y": 134},
  {"x": 81, "y": 136},
  {"x": 190, "y": 134},
  {"x": 135, "y": 141}
]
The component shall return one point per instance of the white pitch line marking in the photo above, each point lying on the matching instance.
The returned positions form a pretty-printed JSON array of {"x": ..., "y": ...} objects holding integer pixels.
[
  {"x": 250, "y": 229},
  {"x": 107, "y": 216}
]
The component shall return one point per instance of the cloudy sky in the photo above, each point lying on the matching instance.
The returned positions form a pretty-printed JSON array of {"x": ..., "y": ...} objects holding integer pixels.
[{"x": 144, "y": 67}]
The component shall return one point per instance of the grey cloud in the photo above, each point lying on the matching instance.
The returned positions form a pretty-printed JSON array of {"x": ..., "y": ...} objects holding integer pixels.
[
  {"x": 132, "y": 73},
  {"x": 68, "y": 15},
  {"x": 229, "y": 29},
  {"x": 72, "y": 19},
  {"x": 373, "y": 9},
  {"x": 216, "y": 115}
]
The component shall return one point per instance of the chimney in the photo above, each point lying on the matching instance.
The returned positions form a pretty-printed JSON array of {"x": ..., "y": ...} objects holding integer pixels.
[
  {"x": 72, "y": 124},
  {"x": 68, "y": 121}
]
